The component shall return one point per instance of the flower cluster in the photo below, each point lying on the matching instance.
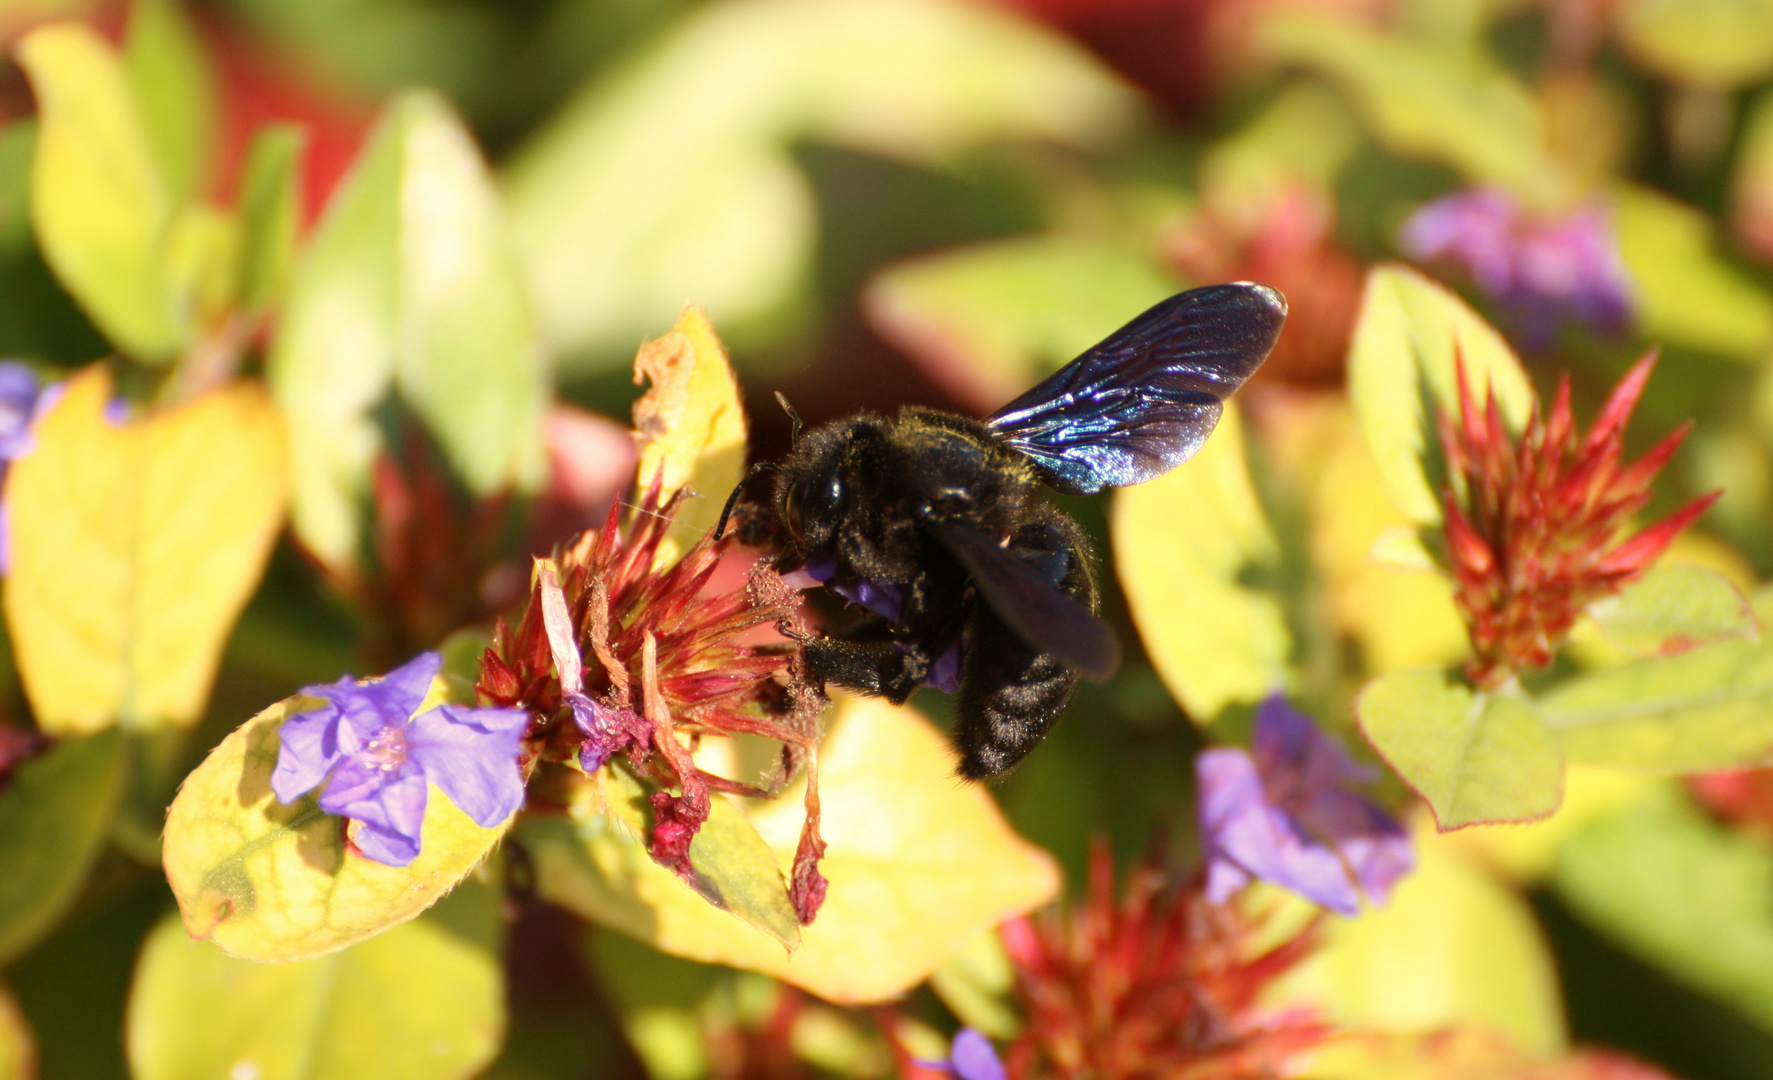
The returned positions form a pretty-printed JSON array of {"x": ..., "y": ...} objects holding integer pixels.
[
  {"x": 1161, "y": 982},
  {"x": 1542, "y": 270},
  {"x": 377, "y": 756},
  {"x": 1535, "y": 527},
  {"x": 1289, "y": 814},
  {"x": 624, "y": 657}
]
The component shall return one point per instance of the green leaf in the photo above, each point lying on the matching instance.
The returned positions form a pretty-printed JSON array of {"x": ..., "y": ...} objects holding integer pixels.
[
  {"x": 1681, "y": 892},
  {"x": 1448, "y": 106},
  {"x": 1715, "y": 43},
  {"x": 992, "y": 319},
  {"x": 1700, "y": 711},
  {"x": 134, "y": 547},
  {"x": 672, "y": 177},
  {"x": 408, "y": 280},
  {"x": 271, "y": 882},
  {"x": 1477, "y": 758},
  {"x": 417, "y": 1003},
  {"x": 735, "y": 869},
  {"x": 18, "y": 1047},
  {"x": 976, "y": 985},
  {"x": 1675, "y": 607},
  {"x": 917, "y": 865},
  {"x": 660, "y": 998},
  {"x": 270, "y": 213},
  {"x": 1401, "y": 376},
  {"x": 174, "y": 89},
  {"x": 53, "y": 816},
  {"x": 1182, "y": 543},
  {"x": 99, "y": 203},
  {"x": 1452, "y": 948},
  {"x": 1684, "y": 292}
]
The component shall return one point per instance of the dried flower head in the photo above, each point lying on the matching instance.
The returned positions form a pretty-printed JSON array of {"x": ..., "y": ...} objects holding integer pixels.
[
  {"x": 1157, "y": 983},
  {"x": 625, "y": 657},
  {"x": 1536, "y": 528}
]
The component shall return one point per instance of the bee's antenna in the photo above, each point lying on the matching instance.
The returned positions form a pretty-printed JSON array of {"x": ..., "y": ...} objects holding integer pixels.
[
  {"x": 750, "y": 474},
  {"x": 794, "y": 435}
]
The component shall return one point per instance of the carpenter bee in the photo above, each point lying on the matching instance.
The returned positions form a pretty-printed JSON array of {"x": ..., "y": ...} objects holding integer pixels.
[{"x": 936, "y": 523}]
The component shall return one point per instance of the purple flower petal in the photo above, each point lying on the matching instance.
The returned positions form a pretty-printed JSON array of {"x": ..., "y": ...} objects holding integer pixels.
[
  {"x": 973, "y": 1058},
  {"x": 472, "y": 755},
  {"x": 310, "y": 748},
  {"x": 389, "y": 807},
  {"x": 607, "y": 731},
  {"x": 1255, "y": 839}
]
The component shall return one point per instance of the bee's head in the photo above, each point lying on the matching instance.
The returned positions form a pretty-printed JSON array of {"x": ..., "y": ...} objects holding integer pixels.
[{"x": 821, "y": 484}]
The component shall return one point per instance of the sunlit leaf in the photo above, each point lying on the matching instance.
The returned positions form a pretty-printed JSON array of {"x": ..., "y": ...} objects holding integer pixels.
[
  {"x": 1476, "y": 758},
  {"x": 271, "y": 882},
  {"x": 417, "y": 1003},
  {"x": 1715, "y": 43},
  {"x": 18, "y": 1047},
  {"x": 270, "y": 213},
  {"x": 99, "y": 203},
  {"x": 1451, "y": 106},
  {"x": 1674, "y": 606},
  {"x": 1303, "y": 136},
  {"x": 1700, "y": 711},
  {"x": 660, "y": 998},
  {"x": 976, "y": 984},
  {"x": 671, "y": 178},
  {"x": 918, "y": 863},
  {"x": 1682, "y": 893},
  {"x": 53, "y": 815},
  {"x": 991, "y": 320},
  {"x": 1684, "y": 292},
  {"x": 1451, "y": 948},
  {"x": 174, "y": 89},
  {"x": 134, "y": 546},
  {"x": 1401, "y": 376},
  {"x": 1182, "y": 545},
  {"x": 408, "y": 281},
  {"x": 691, "y": 423}
]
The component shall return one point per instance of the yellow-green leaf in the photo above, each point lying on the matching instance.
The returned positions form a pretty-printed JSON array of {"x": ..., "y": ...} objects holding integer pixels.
[
  {"x": 272, "y": 882},
  {"x": 134, "y": 546},
  {"x": 1674, "y": 606},
  {"x": 417, "y": 1003},
  {"x": 1181, "y": 545},
  {"x": 1401, "y": 374},
  {"x": 53, "y": 815},
  {"x": 18, "y": 1046},
  {"x": 100, "y": 206},
  {"x": 918, "y": 863},
  {"x": 1451, "y": 948},
  {"x": 1721, "y": 44},
  {"x": 174, "y": 88},
  {"x": 691, "y": 424},
  {"x": 1476, "y": 758},
  {"x": 1684, "y": 292},
  {"x": 270, "y": 213}
]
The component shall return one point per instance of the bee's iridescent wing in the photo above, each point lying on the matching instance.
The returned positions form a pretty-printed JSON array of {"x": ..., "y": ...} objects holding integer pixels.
[{"x": 1144, "y": 400}]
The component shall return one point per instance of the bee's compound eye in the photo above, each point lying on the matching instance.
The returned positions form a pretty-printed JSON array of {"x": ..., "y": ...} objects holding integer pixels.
[
  {"x": 791, "y": 507},
  {"x": 835, "y": 493}
]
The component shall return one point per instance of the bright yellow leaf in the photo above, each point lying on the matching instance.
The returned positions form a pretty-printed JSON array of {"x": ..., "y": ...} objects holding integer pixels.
[
  {"x": 918, "y": 863},
  {"x": 691, "y": 424},
  {"x": 134, "y": 546}
]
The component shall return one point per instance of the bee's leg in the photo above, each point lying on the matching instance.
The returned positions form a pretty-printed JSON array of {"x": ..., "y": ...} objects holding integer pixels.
[{"x": 876, "y": 668}]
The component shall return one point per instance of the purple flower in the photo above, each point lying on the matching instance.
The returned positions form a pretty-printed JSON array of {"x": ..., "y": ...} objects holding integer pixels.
[
  {"x": 608, "y": 731},
  {"x": 376, "y": 758},
  {"x": 1541, "y": 269},
  {"x": 1288, "y": 815},
  {"x": 23, "y": 398},
  {"x": 970, "y": 1058}
]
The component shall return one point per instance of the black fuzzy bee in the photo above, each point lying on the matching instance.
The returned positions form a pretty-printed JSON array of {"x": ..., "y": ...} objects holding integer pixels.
[{"x": 937, "y": 523}]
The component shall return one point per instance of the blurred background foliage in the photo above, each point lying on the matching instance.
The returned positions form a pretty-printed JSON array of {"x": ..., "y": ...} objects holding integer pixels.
[{"x": 878, "y": 202}]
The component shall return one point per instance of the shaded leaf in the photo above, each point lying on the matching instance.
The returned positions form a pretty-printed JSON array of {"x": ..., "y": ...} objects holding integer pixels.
[
  {"x": 98, "y": 201},
  {"x": 1476, "y": 758},
  {"x": 1715, "y": 43},
  {"x": 407, "y": 281},
  {"x": 18, "y": 1046},
  {"x": 134, "y": 547},
  {"x": 1674, "y": 607},
  {"x": 691, "y": 425},
  {"x": 1684, "y": 292},
  {"x": 917, "y": 864},
  {"x": 1446, "y": 105},
  {"x": 270, "y": 213},
  {"x": 175, "y": 93},
  {"x": 976, "y": 984},
  {"x": 271, "y": 882},
  {"x": 1701, "y": 711},
  {"x": 672, "y": 177},
  {"x": 417, "y": 1003},
  {"x": 1401, "y": 375},
  {"x": 1182, "y": 543},
  {"x": 1680, "y": 892},
  {"x": 53, "y": 815},
  {"x": 991, "y": 320},
  {"x": 1452, "y": 948},
  {"x": 660, "y": 998}
]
